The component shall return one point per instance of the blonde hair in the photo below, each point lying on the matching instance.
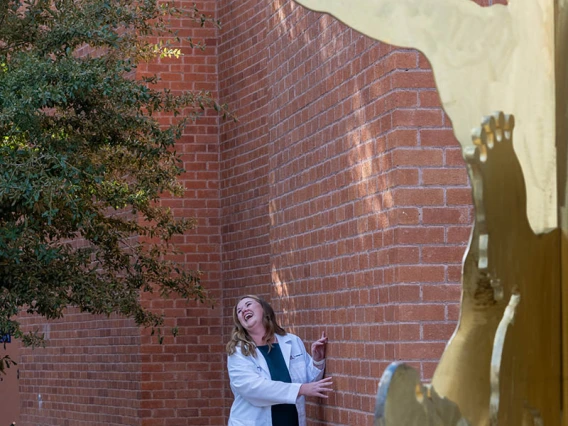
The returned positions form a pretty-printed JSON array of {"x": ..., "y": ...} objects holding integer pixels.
[{"x": 241, "y": 337}]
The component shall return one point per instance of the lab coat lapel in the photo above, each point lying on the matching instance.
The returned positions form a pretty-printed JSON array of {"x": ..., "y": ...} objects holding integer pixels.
[
  {"x": 286, "y": 347},
  {"x": 261, "y": 363}
]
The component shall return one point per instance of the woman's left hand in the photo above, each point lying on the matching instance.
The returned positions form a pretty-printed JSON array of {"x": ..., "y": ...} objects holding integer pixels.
[{"x": 318, "y": 348}]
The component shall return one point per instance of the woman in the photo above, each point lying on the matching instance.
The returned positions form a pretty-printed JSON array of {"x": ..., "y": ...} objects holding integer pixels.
[{"x": 270, "y": 371}]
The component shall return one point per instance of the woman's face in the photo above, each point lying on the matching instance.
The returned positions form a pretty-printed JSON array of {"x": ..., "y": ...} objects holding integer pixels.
[{"x": 250, "y": 313}]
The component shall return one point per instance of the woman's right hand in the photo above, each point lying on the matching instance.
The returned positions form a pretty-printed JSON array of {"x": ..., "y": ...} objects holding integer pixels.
[{"x": 319, "y": 388}]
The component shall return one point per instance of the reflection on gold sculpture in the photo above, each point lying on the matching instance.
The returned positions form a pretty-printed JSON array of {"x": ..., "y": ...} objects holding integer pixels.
[
  {"x": 498, "y": 58},
  {"x": 503, "y": 364}
]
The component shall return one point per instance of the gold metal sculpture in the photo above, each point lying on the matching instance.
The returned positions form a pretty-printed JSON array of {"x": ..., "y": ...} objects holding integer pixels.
[
  {"x": 403, "y": 401},
  {"x": 503, "y": 365},
  {"x": 509, "y": 274}
]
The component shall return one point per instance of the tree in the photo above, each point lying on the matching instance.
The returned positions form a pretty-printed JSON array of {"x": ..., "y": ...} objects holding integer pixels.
[{"x": 83, "y": 160}]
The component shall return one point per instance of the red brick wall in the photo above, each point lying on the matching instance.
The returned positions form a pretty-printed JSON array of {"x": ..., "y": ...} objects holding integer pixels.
[
  {"x": 97, "y": 372},
  {"x": 345, "y": 198},
  {"x": 182, "y": 379},
  {"x": 88, "y": 373},
  {"x": 340, "y": 195},
  {"x": 244, "y": 148},
  {"x": 244, "y": 155}
]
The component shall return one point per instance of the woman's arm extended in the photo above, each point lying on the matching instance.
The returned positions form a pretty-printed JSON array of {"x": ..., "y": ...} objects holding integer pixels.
[{"x": 260, "y": 391}]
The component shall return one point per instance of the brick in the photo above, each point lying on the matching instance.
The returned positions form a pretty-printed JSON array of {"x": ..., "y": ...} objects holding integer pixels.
[
  {"x": 416, "y": 79},
  {"x": 427, "y": 369},
  {"x": 458, "y": 234},
  {"x": 404, "y": 216},
  {"x": 442, "y": 254},
  {"x": 403, "y": 255},
  {"x": 420, "y": 351},
  {"x": 446, "y": 215},
  {"x": 417, "y": 118},
  {"x": 403, "y": 59},
  {"x": 400, "y": 99},
  {"x": 455, "y": 273},
  {"x": 452, "y": 312},
  {"x": 408, "y": 332},
  {"x": 423, "y": 61},
  {"x": 444, "y": 177},
  {"x": 418, "y": 197},
  {"x": 420, "y": 273},
  {"x": 441, "y": 293},
  {"x": 401, "y": 137},
  {"x": 437, "y": 331},
  {"x": 454, "y": 158},
  {"x": 438, "y": 138},
  {"x": 416, "y": 157},
  {"x": 419, "y": 235},
  {"x": 459, "y": 196},
  {"x": 405, "y": 293},
  {"x": 429, "y": 99},
  {"x": 403, "y": 177}
]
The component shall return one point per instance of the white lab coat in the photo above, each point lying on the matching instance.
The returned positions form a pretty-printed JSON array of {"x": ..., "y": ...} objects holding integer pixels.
[{"x": 255, "y": 392}]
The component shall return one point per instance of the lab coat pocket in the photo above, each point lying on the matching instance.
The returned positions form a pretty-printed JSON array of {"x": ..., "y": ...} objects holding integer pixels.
[
  {"x": 296, "y": 358},
  {"x": 296, "y": 355},
  {"x": 297, "y": 367}
]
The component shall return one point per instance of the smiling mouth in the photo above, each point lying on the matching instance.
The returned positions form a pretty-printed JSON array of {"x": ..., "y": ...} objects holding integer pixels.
[{"x": 248, "y": 316}]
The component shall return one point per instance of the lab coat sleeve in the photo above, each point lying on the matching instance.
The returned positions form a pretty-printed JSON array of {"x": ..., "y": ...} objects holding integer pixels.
[
  {"x": 260, "y": 391},
  {"x": 314, "y": 373}
]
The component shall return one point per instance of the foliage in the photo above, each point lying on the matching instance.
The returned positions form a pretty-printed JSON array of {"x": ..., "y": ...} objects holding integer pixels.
[
  {"x": 83, "y": 159},
  {"x": 5, "y": 363}
]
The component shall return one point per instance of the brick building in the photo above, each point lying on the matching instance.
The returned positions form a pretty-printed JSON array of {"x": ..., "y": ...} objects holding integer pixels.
[{"x": 340, "y": 195}]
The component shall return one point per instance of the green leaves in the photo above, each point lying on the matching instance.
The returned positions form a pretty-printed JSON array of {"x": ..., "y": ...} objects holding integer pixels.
[
  {"x": 83, "y": 159},
  {"x": 5, "y": 363}
]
